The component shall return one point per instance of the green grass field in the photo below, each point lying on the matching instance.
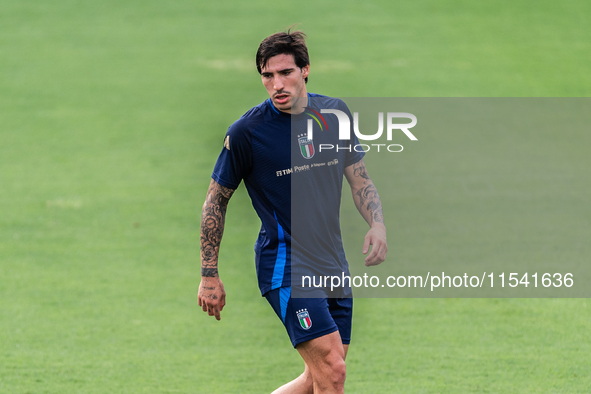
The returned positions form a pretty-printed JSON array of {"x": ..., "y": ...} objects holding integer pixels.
[{"x": 111, "y": 117}]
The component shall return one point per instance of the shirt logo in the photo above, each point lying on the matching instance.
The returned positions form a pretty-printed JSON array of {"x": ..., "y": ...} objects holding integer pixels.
[
  {"x": 306, "y": 146},
  {"x": 304, "y": 318},
  {"x": 310, "y": 112},
  {"x": 227, "y": 142}
]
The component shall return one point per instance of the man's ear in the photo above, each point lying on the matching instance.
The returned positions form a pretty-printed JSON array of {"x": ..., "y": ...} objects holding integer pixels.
[{"x": 305, "y": 71}]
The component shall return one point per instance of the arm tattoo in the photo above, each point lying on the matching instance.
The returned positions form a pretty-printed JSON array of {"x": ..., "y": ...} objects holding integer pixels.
[
  {"x": 209, "y": 272},
  {"x": 369, "y": 205},
  {"x": 213, "y": 217},
  {"x": 359, "y": 170}
]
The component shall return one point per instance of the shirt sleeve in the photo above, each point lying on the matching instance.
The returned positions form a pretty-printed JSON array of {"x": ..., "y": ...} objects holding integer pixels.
[
  {"x": 235, "y": 160},
  {"x": 356, "y": 153}
]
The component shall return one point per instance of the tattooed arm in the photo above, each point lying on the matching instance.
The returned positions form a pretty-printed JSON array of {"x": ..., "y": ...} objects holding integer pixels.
[
  {"x": 368, "y": 203},
  {"x": 212, "y": 296}
]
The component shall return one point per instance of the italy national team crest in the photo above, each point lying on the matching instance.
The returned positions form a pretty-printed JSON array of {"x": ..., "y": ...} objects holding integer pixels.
[
  {"x": 306, "y": 146},
  {"x": 304, "y": 318}
]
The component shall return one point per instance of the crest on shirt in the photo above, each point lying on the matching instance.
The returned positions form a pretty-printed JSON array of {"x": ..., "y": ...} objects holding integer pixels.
[
  {"x": 304, "y": 319},
  {"x": 227, "y": 142},
  {"x": 306, "y": 146}
]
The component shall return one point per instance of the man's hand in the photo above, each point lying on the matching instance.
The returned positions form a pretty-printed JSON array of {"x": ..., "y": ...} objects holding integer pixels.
[
  {"x": 212, "y": 296},
  {"x": 376, "y": 237}
]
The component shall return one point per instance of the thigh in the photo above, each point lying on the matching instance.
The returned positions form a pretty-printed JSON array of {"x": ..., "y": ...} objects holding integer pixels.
[
  {"x": 325, "y": 360},
  {"x": 319, "y": 350},
  {"x": 304, "y": 318}
]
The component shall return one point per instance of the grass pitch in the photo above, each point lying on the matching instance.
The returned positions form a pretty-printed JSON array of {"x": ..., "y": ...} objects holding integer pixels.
[{"x": 111, "y": 117}]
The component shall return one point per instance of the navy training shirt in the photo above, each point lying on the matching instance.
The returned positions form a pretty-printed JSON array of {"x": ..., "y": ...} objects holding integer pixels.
[{"x": 290, "y": 177}]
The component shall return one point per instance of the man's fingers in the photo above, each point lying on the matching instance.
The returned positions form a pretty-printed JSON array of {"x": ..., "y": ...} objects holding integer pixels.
[
  {"x": 211, "y": 297},
  {"x": 372, "y": 258},
  {"x": 377, "y": 255},
  {"x": 371, "y": 255},
  {"x": 374, "y": 249},
  {"x": 375, "y": 261},
  {"x": 366, "y": 244},
  {"x": 210, "y": 307},
  {"x": 223, "y": 297},
  {"x": 376, "y": 238},
  {"x": 383, "y": 253},
  {"x": 214, "y": 310}
]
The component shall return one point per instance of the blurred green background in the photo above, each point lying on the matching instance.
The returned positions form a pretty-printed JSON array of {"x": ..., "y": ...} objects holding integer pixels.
[
  {"x": 111, "y": 117},
  {"x": 492, "y": 185}
]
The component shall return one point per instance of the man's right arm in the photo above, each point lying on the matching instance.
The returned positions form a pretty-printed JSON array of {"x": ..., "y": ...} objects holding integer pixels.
[{"x": 212, "y": 296}]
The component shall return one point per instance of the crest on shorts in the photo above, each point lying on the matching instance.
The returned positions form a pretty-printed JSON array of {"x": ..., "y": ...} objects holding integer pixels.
[{"x": 304, "y": 318}]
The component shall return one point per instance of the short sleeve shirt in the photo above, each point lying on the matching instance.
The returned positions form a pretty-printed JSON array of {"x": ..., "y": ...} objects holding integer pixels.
[{"x": 289, "y": 176}]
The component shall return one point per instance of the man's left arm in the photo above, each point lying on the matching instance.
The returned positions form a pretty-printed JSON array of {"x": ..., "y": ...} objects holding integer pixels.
[{"x": 367, "y": 201}]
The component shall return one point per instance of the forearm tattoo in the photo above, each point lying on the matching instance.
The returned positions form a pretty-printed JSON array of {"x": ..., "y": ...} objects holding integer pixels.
[
  {"x": 360, "y": 170},
  {"x": 212, "y": 227},
  {"x": 368, "y": 197},
  {"x": 209, "y": 272}
]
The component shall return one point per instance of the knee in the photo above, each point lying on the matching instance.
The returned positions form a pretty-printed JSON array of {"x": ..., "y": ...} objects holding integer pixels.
[
  {"x": 335, "y": 372},
  {"x": 338, "y": 373}
]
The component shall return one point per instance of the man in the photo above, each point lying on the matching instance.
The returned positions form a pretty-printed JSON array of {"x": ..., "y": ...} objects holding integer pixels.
[{"x": 261, "y": 149}]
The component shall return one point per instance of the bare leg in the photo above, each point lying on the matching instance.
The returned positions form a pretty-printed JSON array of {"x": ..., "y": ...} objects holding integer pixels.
[
  {"x": 325, "y": 361},
  {"x": 300, "y": 385},
  {"x": 303, "y": 384}
]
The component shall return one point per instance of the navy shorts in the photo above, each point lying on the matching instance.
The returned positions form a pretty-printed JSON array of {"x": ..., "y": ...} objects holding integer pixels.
[{"x": 309, "y": 318}]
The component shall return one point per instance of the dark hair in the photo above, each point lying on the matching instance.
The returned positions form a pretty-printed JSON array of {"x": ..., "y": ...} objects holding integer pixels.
[{"x": 284, "y": 43}]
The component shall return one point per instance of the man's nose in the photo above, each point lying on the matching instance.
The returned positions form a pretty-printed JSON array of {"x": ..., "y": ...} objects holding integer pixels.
[{"x": 277, "y": 83}]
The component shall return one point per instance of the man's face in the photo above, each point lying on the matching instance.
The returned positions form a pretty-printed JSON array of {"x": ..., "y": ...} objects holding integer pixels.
[{"x": 285, "y": 83}]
